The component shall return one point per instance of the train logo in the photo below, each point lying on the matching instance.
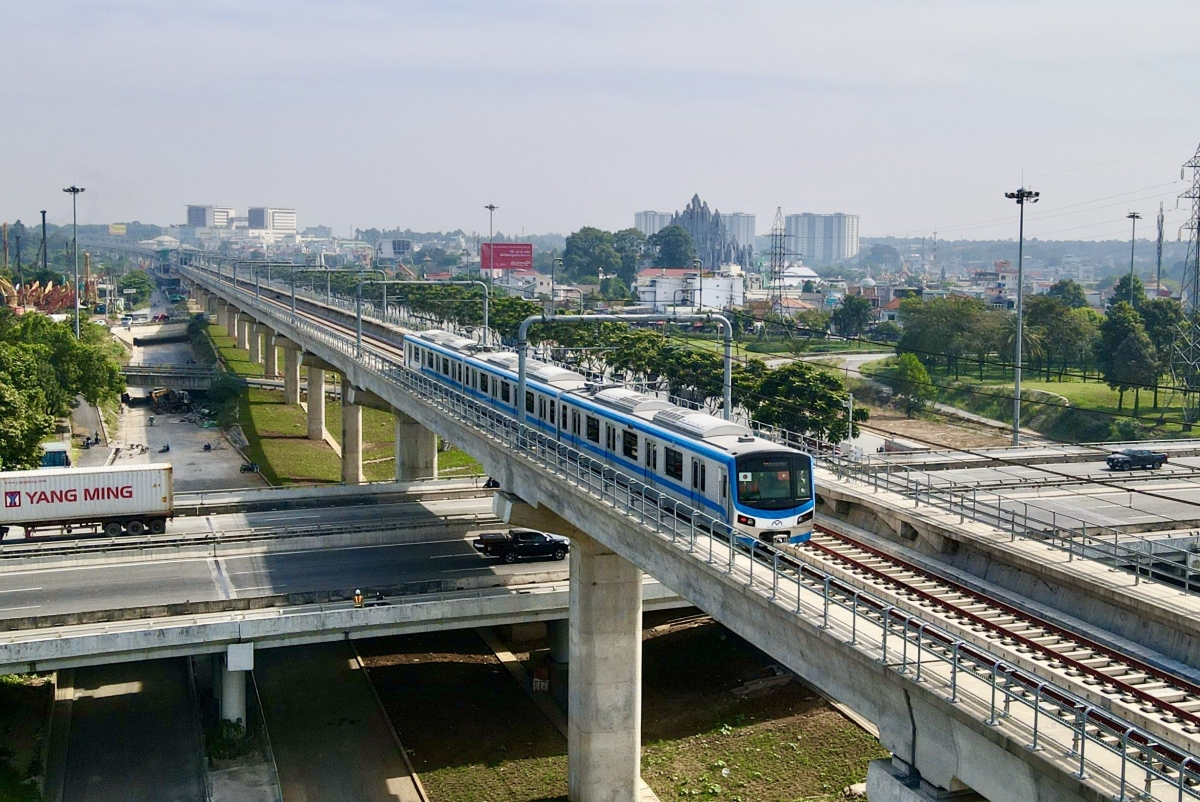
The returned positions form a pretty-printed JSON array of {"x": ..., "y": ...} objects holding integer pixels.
[
  {"x": 776, "y": 523},
  {"x": 12, "y": 498}
]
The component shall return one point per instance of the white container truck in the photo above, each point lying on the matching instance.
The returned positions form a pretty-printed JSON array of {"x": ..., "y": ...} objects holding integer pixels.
[{"x": 113, "y": 500}]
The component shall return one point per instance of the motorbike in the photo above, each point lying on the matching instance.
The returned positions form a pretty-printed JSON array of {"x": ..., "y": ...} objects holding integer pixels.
[
  {"x": 208, "y": 446},
  {"x": 164, "y": 449},
  {"x": 248, "y": 467}
]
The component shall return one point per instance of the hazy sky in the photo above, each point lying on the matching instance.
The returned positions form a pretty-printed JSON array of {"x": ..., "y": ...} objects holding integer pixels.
[{"x": 915, "y": 116}]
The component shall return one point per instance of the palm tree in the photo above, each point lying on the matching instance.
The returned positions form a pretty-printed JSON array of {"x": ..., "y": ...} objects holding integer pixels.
[{"x": 1033, "y": 340}]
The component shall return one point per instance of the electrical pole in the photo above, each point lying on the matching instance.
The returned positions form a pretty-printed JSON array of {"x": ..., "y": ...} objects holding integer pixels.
[
  {"x": 491, "y": 207},
  {"x": 44, "y": 245},
  {"x": 1134, "y": 216},
  {"x": 1022, "y": 196},
  {"x": 1158, "y": 269},
  {"x": 74, "y": 190}
]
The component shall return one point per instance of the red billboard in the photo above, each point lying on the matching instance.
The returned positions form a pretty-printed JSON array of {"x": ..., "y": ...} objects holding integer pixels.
[{"x": 508, "y": 255}]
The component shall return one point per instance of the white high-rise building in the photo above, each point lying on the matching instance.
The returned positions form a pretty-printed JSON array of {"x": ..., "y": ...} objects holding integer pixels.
[
  {"x": 650, "y": 223},
  {"x": 822, "y": 238},
  {"x": 278, "y": 221},
  {"x": 741, "y": 227},
  {"x": 209, "y": 216}
]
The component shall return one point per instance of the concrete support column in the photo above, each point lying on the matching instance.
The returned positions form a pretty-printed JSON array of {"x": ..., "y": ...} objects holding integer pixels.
[
  {"x": 893, "y": 781},
  {"x": 238, "y": 659},
  {"x": 291, "y": 376},
  {"x": 255, "y": 343},
  {"x": 316, "y": 404},
  {"x": 231, "y": 321},
  {"x": 243, "y": 331},
  {"x": 352, "y": 466},
  {"x": 270, "y": 353},
  {"x": 222, "y": 313},
  {"x": 416, "y": 450},
  {"x": 605, "y": 718}
]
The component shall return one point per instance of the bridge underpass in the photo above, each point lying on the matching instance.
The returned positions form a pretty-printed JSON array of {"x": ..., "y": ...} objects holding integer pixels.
[{"x": 953, "y": 739}]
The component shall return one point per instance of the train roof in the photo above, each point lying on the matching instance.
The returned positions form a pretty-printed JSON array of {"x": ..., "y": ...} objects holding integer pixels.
[{"x": 447, "y": 339}]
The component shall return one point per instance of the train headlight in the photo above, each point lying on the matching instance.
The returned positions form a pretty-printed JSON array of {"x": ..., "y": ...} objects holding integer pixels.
[{"x": 745, "y": 520}]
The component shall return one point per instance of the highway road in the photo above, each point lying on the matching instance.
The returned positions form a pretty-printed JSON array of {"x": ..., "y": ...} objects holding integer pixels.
[{"x": 48, "y": 591}]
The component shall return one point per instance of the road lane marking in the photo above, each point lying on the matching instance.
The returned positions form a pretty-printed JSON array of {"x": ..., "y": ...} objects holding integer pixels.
[
  {"x": 19, "y": 590},
  {"x": 265, "y": 587},
  {"x": 25, "y": 607},
  {"x": 216, "y": 567}
]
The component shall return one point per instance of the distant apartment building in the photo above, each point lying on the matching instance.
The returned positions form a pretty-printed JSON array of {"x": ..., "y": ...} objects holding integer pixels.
[
  {"x": 650, "y": 223},
  {"x": 210, "y": 216},
  {"x": 276, "y": 221},
  {"x": 741, "y": 227},
  {"x": 822, "y": 239},
  {"x": 667, "y": 287}
]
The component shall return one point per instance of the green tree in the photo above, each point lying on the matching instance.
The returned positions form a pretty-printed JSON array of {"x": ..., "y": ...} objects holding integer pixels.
[
  {"x": 807, "y": 400},
  {"x": 1121, "y": 323},
  {"x": 888, "y": 331},
  {"x": 1135, "y": 366},
  {"x": 1069, "y": 292},
  {"x": 941, "y": 327},
  {"x": 673, "y": 247},
  {"x": 910, "y": 383},
  {"x": 747, "y": 379},
  {"x": 630, "y": 245},
  {"x": 140, "y": 282},
  {"x": 808, "y": 286},
  {"x": 852, "y": 316},
  {"x": 1121, "y": 292},
  {"x": 1162, "y": 318},
  {"x": 590, "y": 252}
]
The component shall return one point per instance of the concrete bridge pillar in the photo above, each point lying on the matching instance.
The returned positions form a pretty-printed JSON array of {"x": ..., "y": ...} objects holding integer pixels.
[
  {"x": 239, "y": 658},
  {"x": 231, "y": 321},
  {"x": 604, "y": 723},
  {"x": 291, "y": 376},
  {"x": 270, "y": 353},
  {"x": 416, "y": 450},
  {"x": 222, "y": 312},
  {"x": 243, "y": 331},
  {"x": 316, "y": 403},
  {"x": 255, "y": 343},
  {"x": 352, "y": 414}
]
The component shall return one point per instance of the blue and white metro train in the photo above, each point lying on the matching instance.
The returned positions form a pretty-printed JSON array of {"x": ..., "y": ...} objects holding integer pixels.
[{"x": 687, "y": 455}]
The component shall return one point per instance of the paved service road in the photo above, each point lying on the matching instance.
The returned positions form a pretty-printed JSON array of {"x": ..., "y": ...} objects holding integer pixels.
[
  {"x": 134, "y": 735},
  {"x": 135, "y": 584},
  {"x": 331, "y": 741}
]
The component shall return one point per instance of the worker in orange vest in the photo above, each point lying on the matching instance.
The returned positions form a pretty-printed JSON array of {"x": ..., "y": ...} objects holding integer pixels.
[{"x": 358, "y": 598}]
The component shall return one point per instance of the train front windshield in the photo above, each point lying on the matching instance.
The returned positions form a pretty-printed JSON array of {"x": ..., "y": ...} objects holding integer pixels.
[{"x": 773, "y": 481}]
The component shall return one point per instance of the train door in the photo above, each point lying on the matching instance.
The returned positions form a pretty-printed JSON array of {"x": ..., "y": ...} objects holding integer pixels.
[
  {"x": 724, "y": 496},
  {"x": 651, "y": 461},
  {"x": 699, "y": 483}
]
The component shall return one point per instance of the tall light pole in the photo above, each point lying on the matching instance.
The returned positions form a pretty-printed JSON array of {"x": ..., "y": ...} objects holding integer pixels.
[
  {"x": 491, "y": 207},
  {"x": 74, "y": 190},
  {"x": 1134, "y": 216},
  {"x": 1022, "y": 196}
]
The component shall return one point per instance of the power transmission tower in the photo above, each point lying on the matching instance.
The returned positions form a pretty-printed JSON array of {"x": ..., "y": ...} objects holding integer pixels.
[
  {"x": 1158, "y": 269},
  {"x": 1185, "y": 364},
  {"x": 778, "y": 260}
]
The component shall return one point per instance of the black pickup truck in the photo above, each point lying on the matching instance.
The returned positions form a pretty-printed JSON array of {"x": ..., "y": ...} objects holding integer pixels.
[
  {"x": 520, "y": 543},
  {"x": 1132, "y": 458}
]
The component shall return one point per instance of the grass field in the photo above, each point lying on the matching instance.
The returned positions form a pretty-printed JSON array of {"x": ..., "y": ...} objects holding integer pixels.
[{"x": 278, "y": 434}]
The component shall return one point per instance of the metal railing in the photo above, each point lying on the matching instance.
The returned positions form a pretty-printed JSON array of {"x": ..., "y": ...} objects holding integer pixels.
[{"x": 1082, "y": 738}]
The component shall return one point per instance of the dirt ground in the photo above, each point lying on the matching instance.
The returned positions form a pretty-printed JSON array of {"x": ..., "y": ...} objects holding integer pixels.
[
  {"x": 937, "y": 432},
  {"x": 474, "y": 734}
]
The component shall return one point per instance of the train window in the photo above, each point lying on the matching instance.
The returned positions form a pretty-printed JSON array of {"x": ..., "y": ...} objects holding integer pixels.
[
  {"x": 458, "y": 370},
  {"x": 610, "y": 437},
  {"x": 724, "y": 486},
  {"x": 673, "y": 463},
  {"x": 629, "y": 444},
  {"x": 593, "y": 429},
  {"x": 702, "y": 472},
  {"x": 445, "y": 366},
  {"x": 541, "y": 407},
  {"x": 695, "y": 474},
  {"x": 528, "y": 402},
  {"x": 575, "y": 422},
  {"x": 553, "y": 414},
  {"x": 483, "y": 383},
  {"x": 505, "y": 392}
]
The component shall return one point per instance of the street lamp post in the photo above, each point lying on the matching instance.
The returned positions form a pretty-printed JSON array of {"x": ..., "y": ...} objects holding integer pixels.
[
  {"x": 1022, "y": 196},
  {"x": 554, "y": 263},
  {"x": 74, "y": 190},
  {"x": 1134, "y": 217},
  {"x": 696, "y": 263},
  {"x": 491, "y": 207}
]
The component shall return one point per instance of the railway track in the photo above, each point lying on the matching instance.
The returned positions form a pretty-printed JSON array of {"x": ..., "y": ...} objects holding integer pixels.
[{"x": 1161, "y": 702}]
